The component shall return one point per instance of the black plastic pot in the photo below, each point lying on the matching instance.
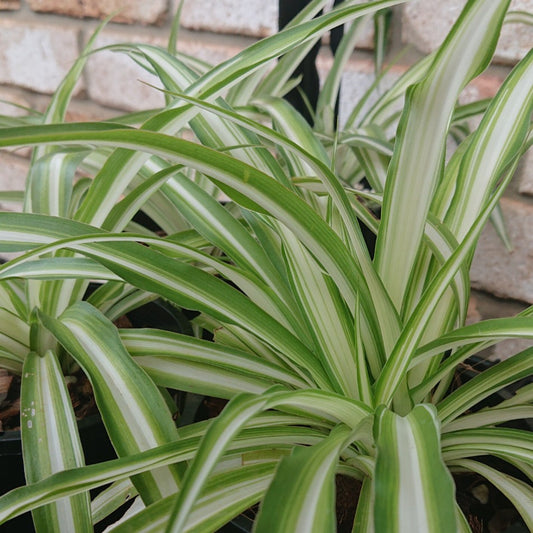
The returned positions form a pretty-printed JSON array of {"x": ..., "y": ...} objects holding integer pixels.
[{"x": 96, "y": 446}]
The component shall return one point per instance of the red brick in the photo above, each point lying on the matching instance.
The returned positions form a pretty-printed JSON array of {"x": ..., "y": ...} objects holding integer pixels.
[
  {"x": 9, "y": 5},
  {"x": 473, "y": 315},
  {"x": 153, "y": 12},
  {"x": 13, "y": 102},
  {"x": 484, "y": 86}
]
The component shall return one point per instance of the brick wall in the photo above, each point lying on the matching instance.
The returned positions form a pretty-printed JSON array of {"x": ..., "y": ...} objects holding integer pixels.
[{"x": 39, "y": 39}]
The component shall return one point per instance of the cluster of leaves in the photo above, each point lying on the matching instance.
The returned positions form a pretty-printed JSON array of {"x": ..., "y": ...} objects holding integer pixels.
[{"x": 334, "y": 361}]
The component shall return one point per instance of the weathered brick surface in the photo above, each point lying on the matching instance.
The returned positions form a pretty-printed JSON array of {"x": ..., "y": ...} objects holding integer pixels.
[
  {"x": 36, "y": 56},
  {"x": 525, "y": 174},
  {"x": 257, "y": 18},
  {"x": 502, "y": 273},
  {"x": 504, "y": 350},
  {"x": 489, "y": 307},
  {"x": 473, "y": 313},
  {"x": 87, "y": 111},
  {"x": 484, "y": 86},
  {"x": 152, "y": 12},
  {"x": 12, "y": 102},
  {"x": 117, "y": 81},
  {"x": 426, "y": 23},
  {"x": 253, "y": 17},
  {"x": 9, "y": 5},
  {"x": 211, "y": 51},
  {"x": 13, "y": 172}
]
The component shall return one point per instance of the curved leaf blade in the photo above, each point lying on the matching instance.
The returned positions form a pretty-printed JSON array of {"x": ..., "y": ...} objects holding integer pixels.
[
  {"x": 50, "y": 441},
  {"x": 134, "y": 413},
  {"x": 413, "y": 488},
  {"x": 302, "y": 494}
]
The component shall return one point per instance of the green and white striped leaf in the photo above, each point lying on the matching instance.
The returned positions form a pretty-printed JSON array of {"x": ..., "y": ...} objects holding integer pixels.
[
  {"x": 328, "y": 318},
  {"x": 14, "y": 333},
  {"x": 413, "y": 490},
  {"x": 485, "y": 384},
  {"x": 227, "y": 494},
  {"x": 327, "y": 98},
  {"x": 391, "y": 377},
  {"x": 492, "y": 330},
  {"x": 190, "y": 364},
  {"x": 258, "y": 291},
  {"x": 495, "y": 144},
  {"x": 364, "y": 514},
  {"x": 215, "y": 442},
  {"x": 302, "y": 494},
  {"x": 512, "y": 445},
  {"x": 218, "y": 226},
  {"x": 49, "y": 183},
  {"x": 472, "y": 161},
  {"x": 490, "y": 416},
  {"x": 265, "y": 334},
  {"x": 49, "y": 188},
  {"x": 124, "y": 210},
  {"x": 412, "y": 180},
  {"x": 124, "y": 165},
  {"x": 115, "y": 299},
  {"x": 178, "y": 282},
  {"x": 237, "y": 413},
  {"x": 111, "y": 499},
  {"x": 277, "y": 81},
  {"x": 50, "y": 441},
  {"x": 465, "y": 342},
  {"x": 82, "y": 479},
  {"x": 133, "y": 411},
  {"x": 62, "y": 268}
]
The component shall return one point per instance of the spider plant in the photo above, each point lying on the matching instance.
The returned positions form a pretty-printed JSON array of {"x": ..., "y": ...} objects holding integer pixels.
[{"x": 334, "y": 361}]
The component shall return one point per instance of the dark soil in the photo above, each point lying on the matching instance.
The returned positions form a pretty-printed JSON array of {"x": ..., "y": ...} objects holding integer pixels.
[
  {"x": 348, "y": 491},
  {"x": 486, "y": 509},
  {"x": 81, "y": 395}
]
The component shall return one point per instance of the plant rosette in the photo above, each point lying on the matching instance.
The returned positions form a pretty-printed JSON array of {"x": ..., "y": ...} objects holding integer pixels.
[{"x": 334, "y": 362}]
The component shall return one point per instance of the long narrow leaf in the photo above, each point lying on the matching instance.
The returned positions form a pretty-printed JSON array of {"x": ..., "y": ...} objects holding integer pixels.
[
  {"x": 413, "y": 489},
  {"x": 50, "y": 441},
  {"x": 226, "y": 494},
  {"x": 179, "y": 282},
  {"x": 484, "y": 384},
  {"x": 133, "y": 411},
  {"x": 465, "y": 53},
  {"x": 302, "y": 493}
]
